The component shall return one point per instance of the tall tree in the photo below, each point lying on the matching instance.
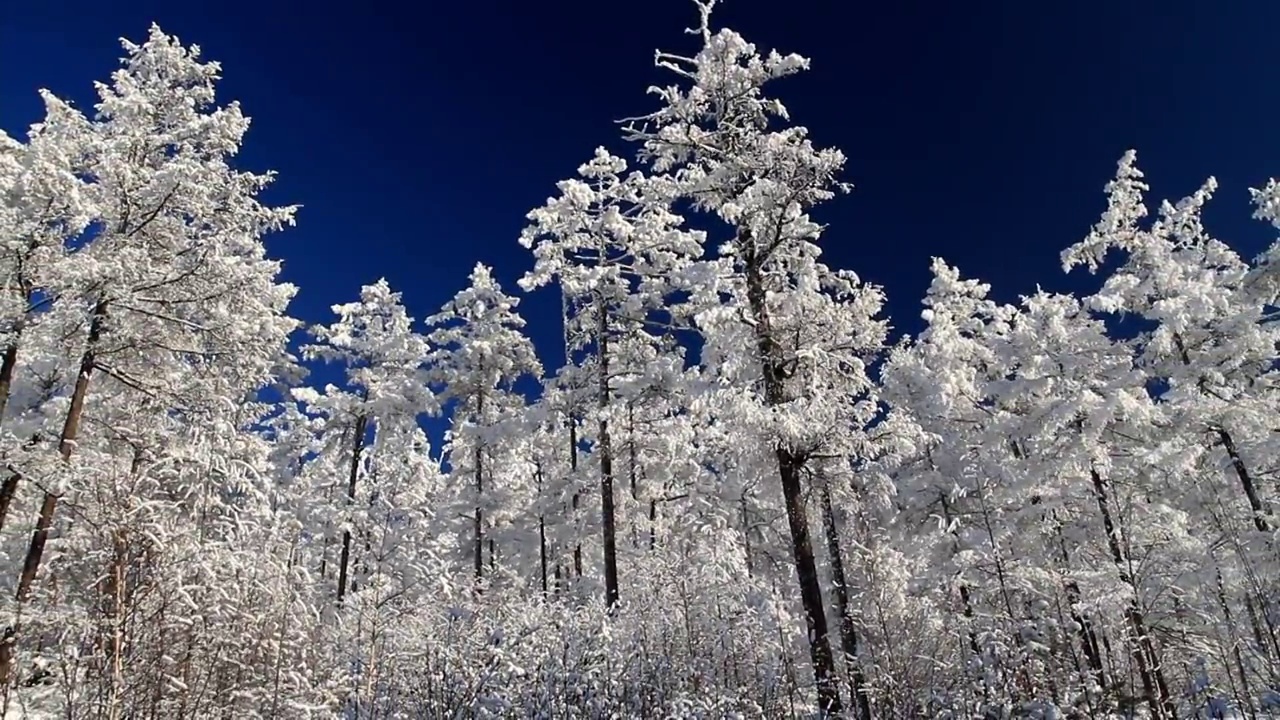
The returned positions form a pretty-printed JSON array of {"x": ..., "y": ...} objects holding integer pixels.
[
  {"x": 618, "y": 252},
  {"x": 478, "y": 354},
  {"x": 382, "y": 357},
  {"x": 174, "y": 272},
  {"x": 1210, "y": 345},
  {"x": 43, "y": 207},
  {"x": 714, "y": 134}
]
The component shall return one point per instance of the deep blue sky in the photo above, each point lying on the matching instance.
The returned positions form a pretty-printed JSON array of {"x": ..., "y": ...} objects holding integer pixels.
[{"x": 418, "y": 135}]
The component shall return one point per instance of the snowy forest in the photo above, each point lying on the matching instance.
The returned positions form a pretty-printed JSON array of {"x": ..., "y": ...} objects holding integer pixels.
[{"x": 737, "y": 492}]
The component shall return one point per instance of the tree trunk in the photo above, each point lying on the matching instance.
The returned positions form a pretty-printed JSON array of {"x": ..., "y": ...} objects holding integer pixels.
[
  {"x": 848, "y": 632},
  {"x": 357, "y": 449},
  {"x": 810, "y": 589},
  {"x": 328, "y": 536},
  {"x": 9, "y": 365},
  {"x": 1088, "y": 637},
  {"x": 7, "y": 369},
  {"x": 1246, "y": 482},
  {"x": 1084, "y": 628},
  {"x": 9, "y": 489},
  {"x": 1242, "y": 471},
  {"x": 10, "y": 486},
  {"x": 966, "y": 600},
  {"x": 115, "y": 592},
  {"x": 790, "y": 462},
  {"x": 608, "y": 521},
  {"x": 653, "y": 523},
  {"x": 632, "y": 470},
  {"x": 573, "y": 470},
  {"x": 1256, "y": 622},
  {"x": 1235, "y": 647},
  {"x": 1142, "y": 650},
  {"x": 542, "y": 531},
  {"x": 479, "y": 517},
  {"x": 478, "y": 530},
  {"x": 66, "y": 446}
]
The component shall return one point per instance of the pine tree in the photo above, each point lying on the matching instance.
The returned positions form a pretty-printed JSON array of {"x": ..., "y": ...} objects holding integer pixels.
[
  {"x": 713, "y": 137},
  {"x": 382, "y": 358},
  {"x": 478, "y": 355},
  {"x": 617, "y": 251},
  {"x": 174, "y": 273}
]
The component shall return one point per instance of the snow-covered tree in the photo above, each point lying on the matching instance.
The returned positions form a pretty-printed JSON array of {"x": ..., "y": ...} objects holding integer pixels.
[
  {"x": 385, "y": 385},
  {"x": 619, "y": 253},
  {"x": 478, "y": 354},
  {"x": 727, "y": 148},
  {"x": 169, "y": 292}
]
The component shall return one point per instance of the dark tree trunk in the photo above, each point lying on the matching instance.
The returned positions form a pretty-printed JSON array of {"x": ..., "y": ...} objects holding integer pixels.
[
  {"x": 328, "y": 536},
  {"x": 848, "y": 631},
  {"x": 1247, "y": 692},
  {"x": 1141, "y": 647},
  {"x": 1088, "y": 638},
  {"x": 1260, "y": 513},
  {"x": 772, "y": 362},
  {"x": 9, "y": 489},
  {"x": 633, "y": 470},
  {"x": 608, "y": 520},
  {"x": 478, "y": 521},
  {"x": 7, "y": 369},
  {"x": 1084, "y": 628},
  {"x": 810, "y": 588},
  {"x": 1242, "y": 471},
  {"x": 966, "y": 601},
  {"x": 66, "y": 446},
  {"x": 653, "y": 523},
  {"x": 478, "y": 529},
  {"x": 1256, "y": 610},
  {"x": 573, "y": 469},
  {"x": 10, "y": 486},
  {"x": 357, "y": 448},
  {"x": 542, "y": 532}
]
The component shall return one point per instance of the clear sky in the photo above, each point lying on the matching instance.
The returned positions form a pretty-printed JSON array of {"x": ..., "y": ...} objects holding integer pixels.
[{"x": 417, "y": 135}]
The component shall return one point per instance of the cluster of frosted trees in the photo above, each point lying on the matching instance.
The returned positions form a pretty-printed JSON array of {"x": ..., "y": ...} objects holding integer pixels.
[{"x": 734, "y": 497}]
